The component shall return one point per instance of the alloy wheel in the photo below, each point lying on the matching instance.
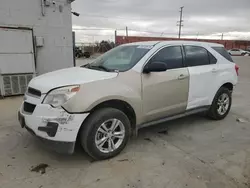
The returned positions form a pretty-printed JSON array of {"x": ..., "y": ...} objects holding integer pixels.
[
  {"x": 110, "y": 135},
  {"x": 223, "y": 104}
]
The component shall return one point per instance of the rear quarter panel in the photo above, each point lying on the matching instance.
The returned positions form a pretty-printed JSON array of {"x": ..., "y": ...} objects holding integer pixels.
[{"x": 226, "y": 74}]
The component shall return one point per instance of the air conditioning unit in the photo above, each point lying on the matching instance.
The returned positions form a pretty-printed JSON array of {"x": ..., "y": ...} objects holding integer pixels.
[{"x": 15, "y": 84}]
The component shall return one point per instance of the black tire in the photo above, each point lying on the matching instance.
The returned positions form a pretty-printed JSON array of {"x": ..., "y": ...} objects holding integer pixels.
[
  {"x": 90, "y": 127},
  {"x": 87, "y": 55},
  {"x": 213, "y": 111}
]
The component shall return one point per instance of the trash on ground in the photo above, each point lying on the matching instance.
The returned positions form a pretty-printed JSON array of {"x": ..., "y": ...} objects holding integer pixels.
[
  {"x": 122, "y": 160},
  {"x": 163, "y": 132},
  {"x": 148, "y": 139},
  {"x": 40, "y": 168},
  {"x": 241, "y": 120}
]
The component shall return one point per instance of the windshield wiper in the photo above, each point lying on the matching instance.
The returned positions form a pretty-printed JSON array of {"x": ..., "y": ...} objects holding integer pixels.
[
  {"x": 98, "y": 67},
  {"x": 89, "y": 66},
  {"x": 86, "y": 65}
]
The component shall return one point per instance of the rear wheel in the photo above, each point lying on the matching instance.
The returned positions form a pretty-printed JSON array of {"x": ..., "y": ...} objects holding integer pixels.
[
  {"x": 221, "y": 104},
  {"x": 87, "y": 54},
  {"x": 105, "y": 133}
]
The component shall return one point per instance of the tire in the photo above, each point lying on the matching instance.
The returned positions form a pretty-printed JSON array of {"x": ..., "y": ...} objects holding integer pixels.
[
  {"x": 87, "y": 55},
  {"x": 215, "y": 109},
  {"x": 91, "y": 133}
]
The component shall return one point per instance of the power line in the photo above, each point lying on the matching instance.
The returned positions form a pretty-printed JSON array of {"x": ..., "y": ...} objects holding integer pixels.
[
  {"x": 106, "y": 17},
  {"x": 92, "y": 29},
  {"x": 179, "y": 23},
  {"x": 112, "y": 29},
  {"x": 146, "y": 31}
]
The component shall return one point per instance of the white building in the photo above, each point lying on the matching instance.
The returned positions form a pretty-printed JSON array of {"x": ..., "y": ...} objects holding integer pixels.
[{"x": 35, "y": 38}]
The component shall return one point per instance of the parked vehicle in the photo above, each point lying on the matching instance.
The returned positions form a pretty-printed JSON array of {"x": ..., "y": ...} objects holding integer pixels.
[
  {"x": 130, "y": 87},
  {"x": 237, "y": 52},
  {"x": 79, "y": 52}
]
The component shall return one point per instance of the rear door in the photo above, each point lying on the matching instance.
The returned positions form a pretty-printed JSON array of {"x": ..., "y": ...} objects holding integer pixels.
[
  {"x": 166, "y": 93},
  {"x": 203, "y": 72}
]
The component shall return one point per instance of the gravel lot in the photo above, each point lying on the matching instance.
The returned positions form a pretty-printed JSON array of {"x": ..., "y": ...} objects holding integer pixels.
[{"x": 190, "y": 152}]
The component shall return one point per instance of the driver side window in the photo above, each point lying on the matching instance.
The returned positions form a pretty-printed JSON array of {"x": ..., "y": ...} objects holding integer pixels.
[{"x": 171, "y": 56}]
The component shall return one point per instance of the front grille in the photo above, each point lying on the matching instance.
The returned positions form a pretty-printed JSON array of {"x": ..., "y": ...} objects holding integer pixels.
[
  {"x": 34, "y": 92},
  {"x": 27, "y": 107}
]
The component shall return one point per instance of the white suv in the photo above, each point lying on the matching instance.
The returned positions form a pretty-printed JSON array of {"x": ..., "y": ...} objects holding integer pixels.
[{"x": 132, "y": 86}]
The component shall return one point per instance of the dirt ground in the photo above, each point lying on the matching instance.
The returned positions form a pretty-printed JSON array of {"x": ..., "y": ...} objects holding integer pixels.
[{"x": 191, "y": 152}]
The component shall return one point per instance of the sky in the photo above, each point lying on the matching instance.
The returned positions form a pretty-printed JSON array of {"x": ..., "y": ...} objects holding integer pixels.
[{"x": 202, "y": 18}]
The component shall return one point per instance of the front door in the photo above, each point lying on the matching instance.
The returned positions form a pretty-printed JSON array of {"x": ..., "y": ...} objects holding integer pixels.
[{"x": 166, "y": 93}]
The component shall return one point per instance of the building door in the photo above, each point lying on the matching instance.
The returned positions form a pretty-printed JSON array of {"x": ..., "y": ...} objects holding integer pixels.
[{"x": 17, "y": 62}]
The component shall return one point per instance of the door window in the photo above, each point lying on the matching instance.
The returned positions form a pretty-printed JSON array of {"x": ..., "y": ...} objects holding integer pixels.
[
  {"x": 171, "y": 56},
  {"x": 197, "y": 56}
]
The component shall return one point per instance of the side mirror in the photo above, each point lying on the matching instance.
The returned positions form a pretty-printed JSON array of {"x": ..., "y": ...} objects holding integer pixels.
[{"x": 155, "y": 67}]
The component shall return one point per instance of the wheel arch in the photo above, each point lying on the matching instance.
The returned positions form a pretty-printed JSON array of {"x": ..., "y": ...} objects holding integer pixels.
[
  {"x": 121, "y": 105},
  {"x": 124, "y": 106},
  {"x": 228, "y": 85}
]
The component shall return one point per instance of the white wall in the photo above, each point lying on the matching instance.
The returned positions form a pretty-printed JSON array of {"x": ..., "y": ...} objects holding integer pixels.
[{"x": 55, "y": 27}]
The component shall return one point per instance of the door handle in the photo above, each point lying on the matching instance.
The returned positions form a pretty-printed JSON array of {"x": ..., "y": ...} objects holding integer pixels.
[
  {"x": 181, "y": 77},
  {"x": 214, "y": 70}
]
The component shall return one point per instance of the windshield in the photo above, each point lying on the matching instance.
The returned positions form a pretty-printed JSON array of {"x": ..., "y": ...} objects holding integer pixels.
[{"x": 121, "y": 58}]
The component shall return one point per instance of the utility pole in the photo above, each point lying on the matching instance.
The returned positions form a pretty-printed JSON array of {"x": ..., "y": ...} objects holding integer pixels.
[
  {"x": 197, "y": 36},
  {"x": 115, "y": 37},
  {"x": 179, "y": 23},
  {"x": 126, "y": 34},
  {"x": 126, "y": 31}
]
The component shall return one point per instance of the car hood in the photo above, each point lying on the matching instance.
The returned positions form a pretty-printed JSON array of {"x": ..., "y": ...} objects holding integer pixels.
[{"x": 69, "y": 76}]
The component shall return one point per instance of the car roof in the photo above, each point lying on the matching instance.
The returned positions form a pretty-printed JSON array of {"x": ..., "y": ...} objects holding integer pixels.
[
  {"x": 146, "y": 43},
  {"x": 172, "y": 42}
]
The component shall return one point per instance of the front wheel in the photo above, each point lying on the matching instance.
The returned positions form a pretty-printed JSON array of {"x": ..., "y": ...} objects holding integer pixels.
[
  {"x": 221, "y": 104},
  {"x": 105, "y": 133}
]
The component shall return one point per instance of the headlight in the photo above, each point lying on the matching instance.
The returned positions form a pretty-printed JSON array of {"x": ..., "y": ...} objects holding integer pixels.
[{"x": 58, "y": 97}]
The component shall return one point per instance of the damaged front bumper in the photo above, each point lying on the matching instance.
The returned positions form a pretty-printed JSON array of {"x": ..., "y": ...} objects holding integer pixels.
[{"x": 55, "y": 127}]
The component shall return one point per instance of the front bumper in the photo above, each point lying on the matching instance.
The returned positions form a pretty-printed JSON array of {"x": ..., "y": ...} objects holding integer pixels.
[{"x": 56, "y": 128}]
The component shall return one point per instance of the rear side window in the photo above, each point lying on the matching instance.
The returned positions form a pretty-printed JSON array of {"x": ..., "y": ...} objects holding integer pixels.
[
  {"x": 222, "y": 51},
  {"x": 212, "y": 59},
  {"x": 196, "y": 56}
]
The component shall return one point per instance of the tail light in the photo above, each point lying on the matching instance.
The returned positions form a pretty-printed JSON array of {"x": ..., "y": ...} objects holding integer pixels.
[{"x": 237, "y": 69}]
